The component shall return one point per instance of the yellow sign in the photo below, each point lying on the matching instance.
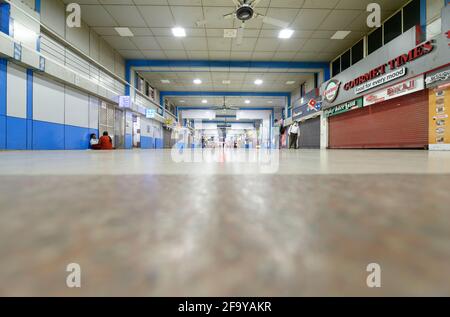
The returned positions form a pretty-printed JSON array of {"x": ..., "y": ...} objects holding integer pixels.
[{"x": 439, "y": 122}]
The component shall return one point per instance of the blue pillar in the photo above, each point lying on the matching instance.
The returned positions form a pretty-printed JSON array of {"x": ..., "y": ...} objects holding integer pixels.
[
  {"x": 3, "y": 90},
  {"x": 5, "y": 10},
  {"x": 37, "y": 6},
  {"x": 29, "y": 109}
]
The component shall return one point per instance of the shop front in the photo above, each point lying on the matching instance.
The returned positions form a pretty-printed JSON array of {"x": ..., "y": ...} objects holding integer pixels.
[
  {"x": 438, "y": 84},
  {"x": 309, "y": 115},
  {"x": 393, "y": 117},
  {"x": 383, "y": 102}
]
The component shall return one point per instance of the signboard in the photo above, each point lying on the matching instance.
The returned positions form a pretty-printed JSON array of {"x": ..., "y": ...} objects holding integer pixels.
[
  {"x": 150, "y": 113},
  {"x": 331, "y": 90},
  {"x": 17, "y": 51},
  {"x": 438, "y": 78},
  {"x": 42, "y": 63},
  {"x": 439, "y": 122},
  {"x": 407, "y": 87},
  {"x": 351, "y": 105},
  {"x": 393, "y": 64},
  {"x": 381, "y": 80},
  {"x": 311, "y": 103},
  {"x": 124, "y": 101}
]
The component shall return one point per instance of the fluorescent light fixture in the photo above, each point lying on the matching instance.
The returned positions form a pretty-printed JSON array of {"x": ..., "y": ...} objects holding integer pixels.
[
  {"x": 204, "y": 101},
  {"x": 270, "y": 101},
  {"x": 165, "y": 81},
  {"x": 290, "y": 82},
  {"x": 340, "y": 35},
  {"x": 247, "y": 101},
  {"x": 182, "y": 101},
  {"x": 197, "y": 81},
  {"x": 285, "y": 34},
  {"x": 226, "y": 82},
  {"x": 125, "y": 32},
  {"x": 179, "y": 32},
  {"x": 258, "y": 82}
]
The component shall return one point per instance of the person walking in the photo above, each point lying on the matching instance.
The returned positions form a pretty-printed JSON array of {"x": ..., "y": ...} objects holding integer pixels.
[{"x": 293, "y": 132}]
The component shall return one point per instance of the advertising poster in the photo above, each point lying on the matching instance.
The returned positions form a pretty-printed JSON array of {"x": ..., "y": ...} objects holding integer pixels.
[{"x": 439, "y": 123}]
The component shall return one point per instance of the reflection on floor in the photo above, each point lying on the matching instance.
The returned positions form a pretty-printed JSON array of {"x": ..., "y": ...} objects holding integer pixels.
[{"x": 151, "y": 223}]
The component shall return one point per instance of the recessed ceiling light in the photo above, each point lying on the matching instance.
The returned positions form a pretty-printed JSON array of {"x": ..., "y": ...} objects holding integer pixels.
[
  {"x": 226, "y": 82},
  {"x": 290, "y": 82},
  {"x": 179, "y": 32},
  {"x": 247, "y": 101},
  {"x": 285, "y": 34},
  {"x": 270, "y": 101},
  {"x": 197, "y": 81},
  {"x": 165, "y": 81},
  {"x": 340, "y": 35},
  {"x": 258, "y": 82},
  {"x": 204, "y": 101},
  {"x": 125, "y": 32},
  {"x": 182, "y": 101}
]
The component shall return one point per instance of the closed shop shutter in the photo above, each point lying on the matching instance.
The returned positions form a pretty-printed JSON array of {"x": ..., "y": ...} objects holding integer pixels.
[
  {"x": 167, "y": 138},
  {"x": 310, "y": 134},
  {"x": 397, "y": 123}
]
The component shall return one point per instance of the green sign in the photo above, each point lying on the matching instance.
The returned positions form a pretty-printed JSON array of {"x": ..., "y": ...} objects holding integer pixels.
[{"x": 354, "y": 104}]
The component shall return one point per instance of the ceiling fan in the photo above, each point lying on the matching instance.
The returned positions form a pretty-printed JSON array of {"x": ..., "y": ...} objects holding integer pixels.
[
  {"x": 245, "y": 10},
  {"x": 224, "y": 107}
]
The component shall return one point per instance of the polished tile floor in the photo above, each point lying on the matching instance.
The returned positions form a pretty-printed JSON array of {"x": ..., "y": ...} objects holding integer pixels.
[{"x": 225, "y": 223}]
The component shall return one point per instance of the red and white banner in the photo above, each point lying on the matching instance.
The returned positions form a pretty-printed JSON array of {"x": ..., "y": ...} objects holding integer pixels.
[{"x": 407, "y": 87}]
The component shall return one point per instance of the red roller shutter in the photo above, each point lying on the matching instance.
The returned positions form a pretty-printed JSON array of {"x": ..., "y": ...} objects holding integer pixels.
[{"x": 398, "y": 123}]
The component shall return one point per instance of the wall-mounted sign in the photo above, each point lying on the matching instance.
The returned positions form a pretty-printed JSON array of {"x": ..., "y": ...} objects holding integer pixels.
[
  {"x": 331, "y": 90},
  {"x": 309, "y": 103},
  {"x": 124, "y": 101},
  {"x": 393, "y": 64},
  {"x": 150, "y": 113},
  {"x": 42, "y": 63},
  {"x": 438, "y": 78},
  {"x": 439, "y": 121},
  {"x": 381, "y": 80},
  {"x": 306, "y": 109},
  {"x": 407, "y": 87},
  {"x": 17, "y": 51},
  {"x": 351, "y": 105}
]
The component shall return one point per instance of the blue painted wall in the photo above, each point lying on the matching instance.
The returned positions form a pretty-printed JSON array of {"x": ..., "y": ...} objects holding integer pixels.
[
  {"x": 16, "y": 133},
  {"x": 128, "y": 141},
  {"x": 48, "y": 136},
  {"x": 76, "y": 138},
  {"x": 2, "y": 132},
  {"x": 147, "y": 142}
]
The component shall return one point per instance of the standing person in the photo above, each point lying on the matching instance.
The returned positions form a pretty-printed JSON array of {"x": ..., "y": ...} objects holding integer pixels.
[
  {"x": 203, "y": 142},
  {"x": 293, "y": 135},
  {"x": 282, "y": 134}
]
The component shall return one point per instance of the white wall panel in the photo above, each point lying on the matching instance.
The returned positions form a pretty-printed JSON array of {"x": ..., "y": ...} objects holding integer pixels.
[
  {"x": 16, "y": 83},
  {"x": 93, "y": 112},
  {"x": 48, "y": 100},
  {"x": 79, "y": 37},
  {"x": 146, "y": 127},
  {"x": 77, "y": 108},
  {"x": 128, "y": 122},
  {"x": 53, "y": 15}
]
